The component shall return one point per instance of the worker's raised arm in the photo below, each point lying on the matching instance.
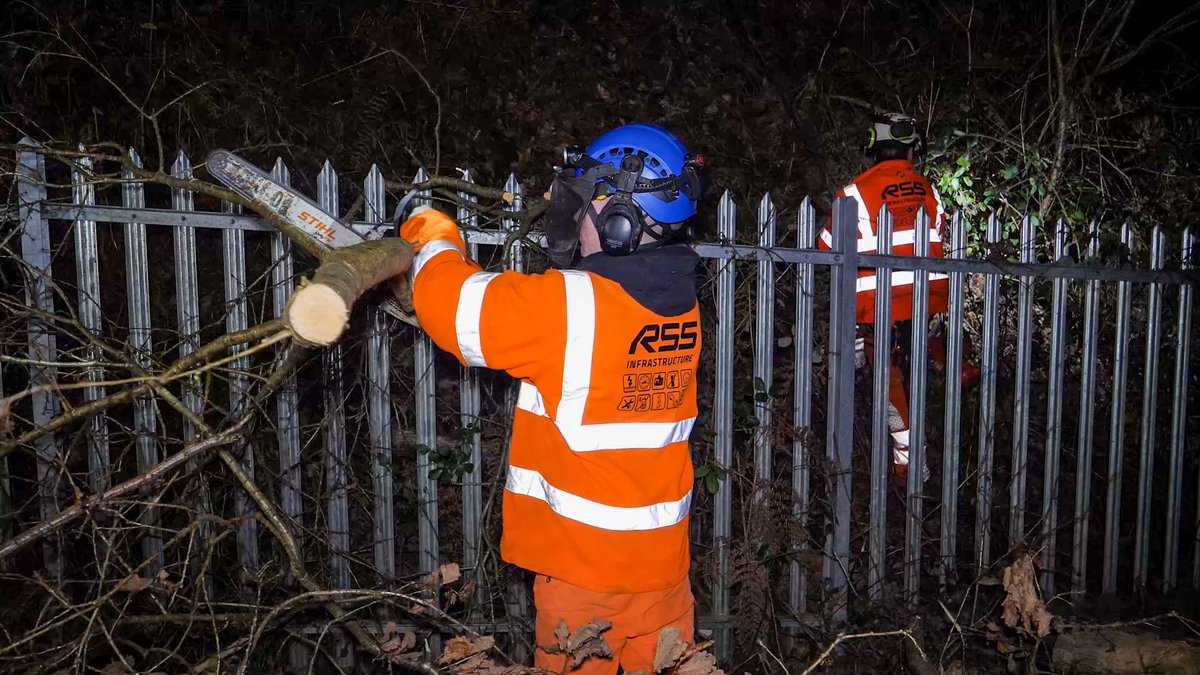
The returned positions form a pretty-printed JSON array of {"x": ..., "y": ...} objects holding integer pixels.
[{"x": 485, "y": 319}]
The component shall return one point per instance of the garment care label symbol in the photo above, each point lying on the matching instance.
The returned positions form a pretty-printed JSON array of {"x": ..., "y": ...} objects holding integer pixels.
[
  {"x": 628, "y": 383},
  {"x": 626, "y": 403},
  {"x": 643, "y": 402}
]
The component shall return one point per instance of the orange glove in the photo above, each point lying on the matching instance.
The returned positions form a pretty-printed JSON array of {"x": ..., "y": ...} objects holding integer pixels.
[{"x": 427, "y": 224}]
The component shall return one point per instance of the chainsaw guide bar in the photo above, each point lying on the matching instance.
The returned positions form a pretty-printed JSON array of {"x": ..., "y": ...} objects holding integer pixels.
[{"x": 299, "y": 211}]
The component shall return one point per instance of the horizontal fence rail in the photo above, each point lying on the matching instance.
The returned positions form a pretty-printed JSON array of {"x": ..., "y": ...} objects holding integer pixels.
[{"x": 1049, "y": 338}]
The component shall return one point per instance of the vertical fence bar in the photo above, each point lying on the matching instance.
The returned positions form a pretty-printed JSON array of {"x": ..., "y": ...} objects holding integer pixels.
[
  {"x": 35, "y": 252},
  {"x": 916, "y": 396},
  {"x": 802, "y": 404},
  {"x": 987, "y": 406},
  {"x": 469, "y": 404},
  {"x": 1171, "y": 551},
  {"x": 840, "y": 442},
  {"x": 426, "y": 418},
  {"x": 337, "y": 454},
  {"x": 1141, "y": 544},
  {"x": 379, "y": 409},
  {"x": 1054, "y": 431},
  {"x": 187, "y": 293},
  {"x": 87, "y": 273},
  {"x": 8, "y": 512},
  {"x": 517, "y": 597},
  {"x": 233, "y": 241},
  {"x": 881, "y": 436},
  {"x": 764, "y": 349},
  {"x": 723, "y": 421},
  {"x": 287, "y": 401},
  {"x": 187, "y": 323},
  {"x": 1021, "y": 394},
  {"x": 138, "y": 296},
  {"x": 1087, "y": 397},
  {"x": 953, "y": 413},
  {"x": 1116, "y": 439}
]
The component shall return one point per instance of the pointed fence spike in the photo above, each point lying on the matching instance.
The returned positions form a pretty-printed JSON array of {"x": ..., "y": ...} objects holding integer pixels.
[{"x": 281, "y": 173}]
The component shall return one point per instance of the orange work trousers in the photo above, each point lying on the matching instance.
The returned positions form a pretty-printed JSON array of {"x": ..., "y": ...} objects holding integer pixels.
[{"x": 636, "y": 621}]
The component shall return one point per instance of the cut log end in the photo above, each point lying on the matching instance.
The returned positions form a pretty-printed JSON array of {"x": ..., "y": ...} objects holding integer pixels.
[{"x": 318, "y": 315}]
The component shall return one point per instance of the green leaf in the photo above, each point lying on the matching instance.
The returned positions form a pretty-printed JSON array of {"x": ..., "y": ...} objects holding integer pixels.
[
  {"x": 759, "y": 385},
  {"x": 712, "y": 484}
]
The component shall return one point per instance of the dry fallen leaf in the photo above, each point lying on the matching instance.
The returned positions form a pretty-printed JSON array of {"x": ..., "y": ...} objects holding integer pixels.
[
  {"x": 6, "y": 425},
  {"x": 132, "y": 584},
  {"x": 394, "y": 646},
  {"x": 699, "y": 663},
  {"x": 670, "y": 649},
  {"x": 587, "y": 641},
  {"x": 1022, "y": 608},
  {"x": 450, "y": 573},
  {"x": 459, "y": 648},
  {"x": 446, "y": 574}
]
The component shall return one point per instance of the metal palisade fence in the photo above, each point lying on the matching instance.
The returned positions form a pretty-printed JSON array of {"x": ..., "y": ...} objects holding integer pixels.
[{"x": 1006, "y": 473}]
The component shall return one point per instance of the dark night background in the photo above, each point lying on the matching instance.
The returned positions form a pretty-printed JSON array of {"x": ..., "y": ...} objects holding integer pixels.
[
  {"x": 1069, "y": 106},
  {"x": 1065, "y": 109}
]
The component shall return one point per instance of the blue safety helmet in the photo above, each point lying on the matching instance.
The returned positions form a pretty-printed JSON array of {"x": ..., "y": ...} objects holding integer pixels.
[{"x": 664, "y": 155}]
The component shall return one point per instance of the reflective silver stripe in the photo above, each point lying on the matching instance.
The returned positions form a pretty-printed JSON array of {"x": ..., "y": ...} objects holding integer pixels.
[
  {"x": 899, "y": 278},
  {"x": 941, "y": 209},
  {"x": 577, "y": 357},
  {"x": 529, "y": 399},
  {"x": 428, "y": 251},
  {"x": 466, "y": 319},
  {"x": 530, "y": 483},
  {"x": 866, "y": 227},
  {"x": 576, "y": 383},
  {"x": 902, "y": 238}
]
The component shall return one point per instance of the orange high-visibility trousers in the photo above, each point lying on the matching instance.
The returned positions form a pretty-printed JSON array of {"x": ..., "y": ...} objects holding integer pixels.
[
  {"x": 897, "y": 391},
  {"x": 637, "y": 619}
]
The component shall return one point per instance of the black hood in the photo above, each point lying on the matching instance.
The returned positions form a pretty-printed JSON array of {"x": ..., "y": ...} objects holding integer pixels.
[{"x": 661, "y": 279}]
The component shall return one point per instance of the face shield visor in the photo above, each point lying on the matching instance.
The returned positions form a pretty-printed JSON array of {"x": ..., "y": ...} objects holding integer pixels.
[{"x": 570, "y": 195}]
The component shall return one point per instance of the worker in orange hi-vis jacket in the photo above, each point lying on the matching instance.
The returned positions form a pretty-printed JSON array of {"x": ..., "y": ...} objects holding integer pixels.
[
  {"x": 606, "y": 350},
  {"x": 893, "y": 142}
]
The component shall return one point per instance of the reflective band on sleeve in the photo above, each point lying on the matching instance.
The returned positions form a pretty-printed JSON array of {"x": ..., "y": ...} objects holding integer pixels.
[
  {"x": 899, "y": 278},
  {"x": 466, "y": 320},
  {"x": 581, "y": 337},
  {"x": 902, "y": 238},
  {"x": 428, "y": 251},
  {"x": 530, "y": 483},
  {"x": 865, "y": 226}
]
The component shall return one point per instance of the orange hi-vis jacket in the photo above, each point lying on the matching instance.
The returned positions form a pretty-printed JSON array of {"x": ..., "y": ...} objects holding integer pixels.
[
  {"x": 896, "y": 183},
  {"x": 600, "y": 478}
]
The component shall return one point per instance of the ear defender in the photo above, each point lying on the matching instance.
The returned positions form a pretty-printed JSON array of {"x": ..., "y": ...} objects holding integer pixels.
[{"x": 619, "y": 224}]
